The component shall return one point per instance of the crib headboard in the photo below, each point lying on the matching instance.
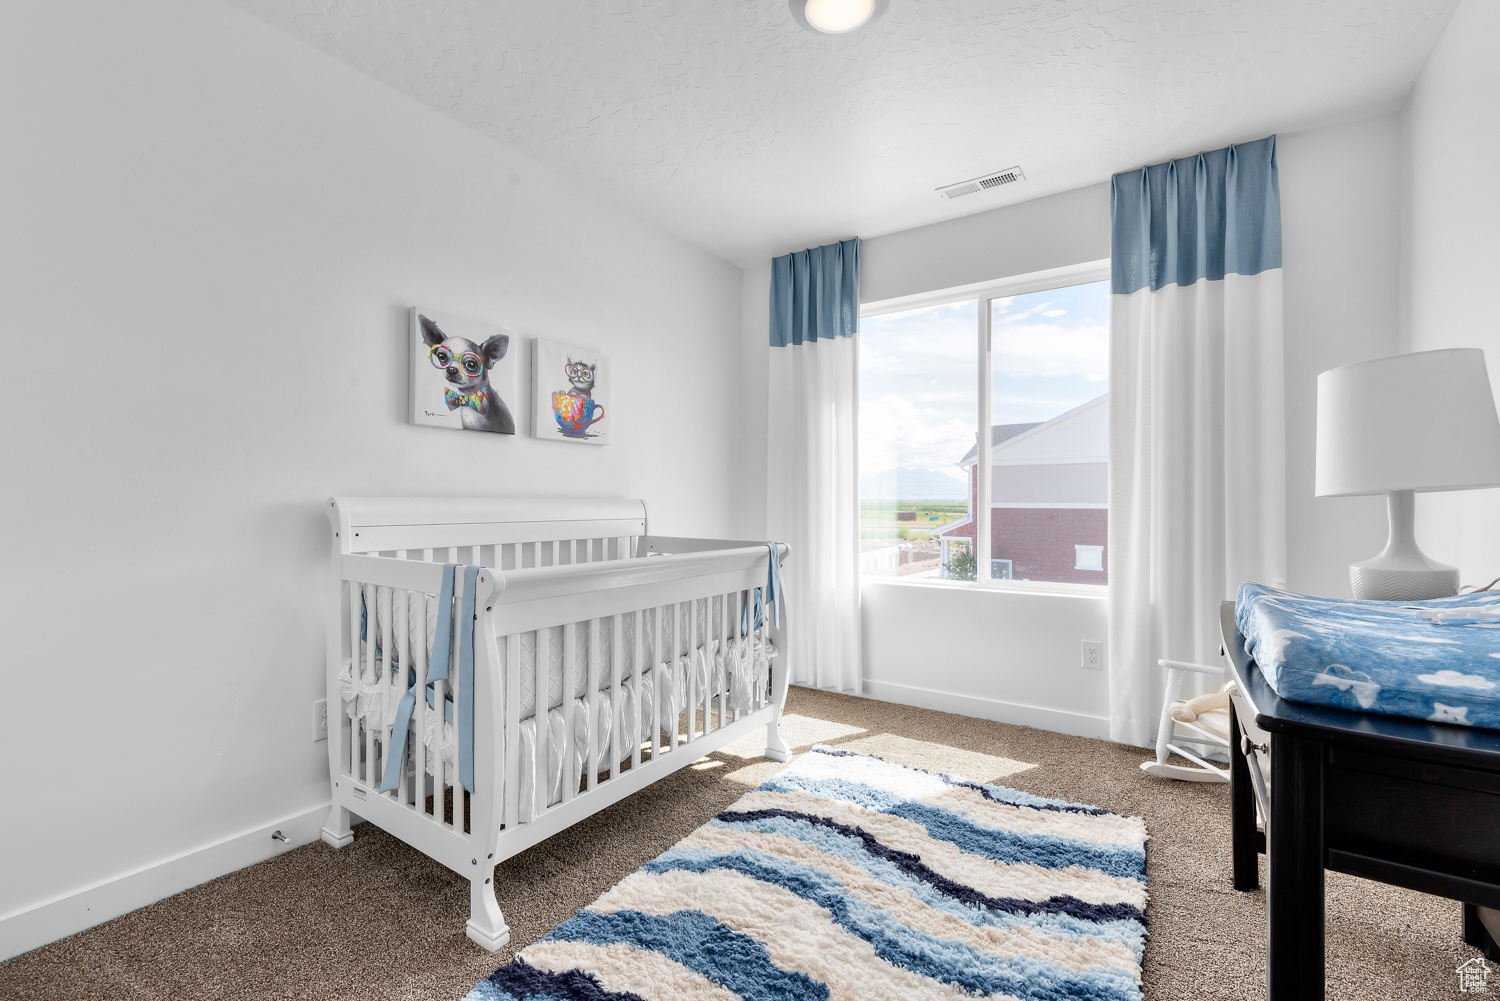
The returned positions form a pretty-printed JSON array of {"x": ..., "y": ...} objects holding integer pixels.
[{"x": 507, "y": 532}]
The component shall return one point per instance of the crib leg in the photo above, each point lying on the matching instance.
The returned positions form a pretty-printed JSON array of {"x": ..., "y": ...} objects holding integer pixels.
[
  {"x": 777, "y": 748},
  {"x": 338, "y": 830},
  {"x": 486, "y": 927}
]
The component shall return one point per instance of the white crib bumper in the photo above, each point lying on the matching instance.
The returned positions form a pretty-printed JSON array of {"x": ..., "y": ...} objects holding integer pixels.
[{"x": 740, "y": 668}]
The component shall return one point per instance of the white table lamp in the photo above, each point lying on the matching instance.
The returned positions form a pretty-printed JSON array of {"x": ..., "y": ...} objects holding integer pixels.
[{"x": 1393, "y": 426}]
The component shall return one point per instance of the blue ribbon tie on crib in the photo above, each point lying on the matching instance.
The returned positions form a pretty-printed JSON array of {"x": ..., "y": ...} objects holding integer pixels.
[
  {"x": 437, "y": 670},
  {"x": 771, "y": 597}
]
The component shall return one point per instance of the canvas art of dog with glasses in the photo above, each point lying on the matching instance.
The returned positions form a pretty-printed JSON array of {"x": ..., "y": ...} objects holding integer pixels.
[
  {"x": 462, "y": 374},
  {"x": 568, "y": 388}
]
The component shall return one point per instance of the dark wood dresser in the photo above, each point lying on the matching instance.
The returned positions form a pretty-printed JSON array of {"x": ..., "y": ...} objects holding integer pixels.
[{"x": 1401, "y": 801}]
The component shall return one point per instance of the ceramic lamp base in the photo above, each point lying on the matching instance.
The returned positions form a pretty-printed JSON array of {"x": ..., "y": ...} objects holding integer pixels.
[
  {"x": 1372, "y": 583},
  {"x": 1402, "y": 572}
]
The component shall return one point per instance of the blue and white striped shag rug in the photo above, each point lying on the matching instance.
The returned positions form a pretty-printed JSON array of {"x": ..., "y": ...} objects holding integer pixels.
[{"x": 850, "y": 877}]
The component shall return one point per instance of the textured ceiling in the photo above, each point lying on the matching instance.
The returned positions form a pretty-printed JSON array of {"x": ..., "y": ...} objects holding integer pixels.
[{"x": 727, "y": 124}]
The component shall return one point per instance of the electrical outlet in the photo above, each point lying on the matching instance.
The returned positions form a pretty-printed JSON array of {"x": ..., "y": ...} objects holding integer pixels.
[
  {"x": 1093, "y": 655},
  {"x": 320, "y": 720}
]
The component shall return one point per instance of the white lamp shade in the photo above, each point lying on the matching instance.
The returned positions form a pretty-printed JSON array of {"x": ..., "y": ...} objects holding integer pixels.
[{"x": 1423, "y": 421}]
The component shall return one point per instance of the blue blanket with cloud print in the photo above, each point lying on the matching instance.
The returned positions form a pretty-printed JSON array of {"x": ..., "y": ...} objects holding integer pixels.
[{"x": 1435, "y": 660}]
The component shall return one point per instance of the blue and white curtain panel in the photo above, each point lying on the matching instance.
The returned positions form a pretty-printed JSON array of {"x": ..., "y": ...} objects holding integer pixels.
[
  {"x": 1197, "y": 500},
  {"x": 813, "y": 496}
]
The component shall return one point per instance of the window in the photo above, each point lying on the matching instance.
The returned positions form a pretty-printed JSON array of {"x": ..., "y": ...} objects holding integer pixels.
[
  {"x": 1088, "y": 558},
  {"x": 1046, "y": 471},
  {"x": 918, "y": 400}
]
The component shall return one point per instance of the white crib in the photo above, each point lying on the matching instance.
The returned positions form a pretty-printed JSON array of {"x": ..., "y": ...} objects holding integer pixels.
[{"x": 659, "y": 635}]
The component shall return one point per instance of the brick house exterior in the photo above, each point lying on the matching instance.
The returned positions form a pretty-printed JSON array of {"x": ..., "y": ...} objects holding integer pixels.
[{"x": 1050, "y": 496}]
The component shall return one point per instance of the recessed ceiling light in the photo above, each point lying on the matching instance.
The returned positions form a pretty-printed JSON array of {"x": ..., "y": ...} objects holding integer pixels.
[{"x": 837, "y": 17}]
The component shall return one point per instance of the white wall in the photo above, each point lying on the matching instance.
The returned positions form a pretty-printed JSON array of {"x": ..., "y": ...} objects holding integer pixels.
[
  {"x": 755, "y": 382},
  {"x": 1450, "y": 143},
  {"x": 1038, "y": 235},
  {"x": 1340, "y": 274},
  {"x": 1013, "y": 656},
  {"x": 211, "y": 236}
]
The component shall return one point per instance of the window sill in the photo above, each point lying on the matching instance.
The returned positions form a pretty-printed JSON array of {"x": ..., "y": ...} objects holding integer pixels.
[{"x": 1037, "y": 587}]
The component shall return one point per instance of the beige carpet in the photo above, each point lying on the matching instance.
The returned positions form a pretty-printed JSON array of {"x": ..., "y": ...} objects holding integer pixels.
[{"x": 378, "y": 920}]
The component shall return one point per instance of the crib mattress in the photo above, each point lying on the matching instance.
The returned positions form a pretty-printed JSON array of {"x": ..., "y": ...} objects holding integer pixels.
[{"x": 1436, "y": 660}]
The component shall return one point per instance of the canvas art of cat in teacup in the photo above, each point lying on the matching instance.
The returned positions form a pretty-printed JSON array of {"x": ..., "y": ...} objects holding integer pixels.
[{"x": 570, "y": 393}]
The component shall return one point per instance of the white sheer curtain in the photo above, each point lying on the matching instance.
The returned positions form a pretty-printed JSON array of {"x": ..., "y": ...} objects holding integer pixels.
[
  {"x": 813, "y": 502},
  {"x": 1197, "y": 499}
]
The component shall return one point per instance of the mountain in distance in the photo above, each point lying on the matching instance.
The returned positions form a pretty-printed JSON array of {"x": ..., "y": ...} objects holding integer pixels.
[{"x": 907, "y": 484}]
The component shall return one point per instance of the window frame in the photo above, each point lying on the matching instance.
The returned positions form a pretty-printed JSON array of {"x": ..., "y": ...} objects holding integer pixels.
[{"x": 986, "y": 292}]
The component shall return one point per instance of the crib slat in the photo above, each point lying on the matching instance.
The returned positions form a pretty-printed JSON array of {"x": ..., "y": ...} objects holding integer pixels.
[
  {"x": 748, "y": 648},
  {"x": 401, "y": 600},
  {"x": 635, "y": 668},
  {"x": 512, "y": 815},
  {"x": 723, "y": 659},
  {"x": 541, "y": 787},
  {"x": 368, "y": 676},
  {"x": 756, "y": 657},
  {"x": 672, "y": 649},
  {"x": 705, "y": 684},
  {"x": 708, "y": 664},
  {"x": 389, "y": 683},
  {"x": 616, "y": 707},
  {"x": 569, "y": 687},
  {"x": 388, "y": 650},
  {"x": 453, "y": 689},
  {"x": 693, "y": 695},
  {"x": 742, "y": 637},
  {"x": 658, "y": 684},
  {"x": 660, "y": 673},
  {"x": 442, "y": 773},
  {"x": 730, "y": 625},
  {"x": 417, "y": 648},
  {"x": 351, "y": 745},
  {"x": 590, "y": 740},
  {"x": 555, "y": 549},
  {"x": 739, "y": 640}
]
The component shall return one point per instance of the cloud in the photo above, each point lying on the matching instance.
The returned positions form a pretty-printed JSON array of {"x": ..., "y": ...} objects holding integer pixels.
[
  {"x": 918, "y": 370},
  {"x": 1454, "y": 679},
  {"x": 894, "y": 431}
]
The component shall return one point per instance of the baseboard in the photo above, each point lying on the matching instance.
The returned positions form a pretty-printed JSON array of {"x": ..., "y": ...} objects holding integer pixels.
[
  {"x": 1056, "y": 720},
  {"x": 69, "y": 913}
]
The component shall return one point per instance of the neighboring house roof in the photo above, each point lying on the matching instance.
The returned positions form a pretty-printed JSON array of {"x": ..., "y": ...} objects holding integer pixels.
[
  {"x": 999, "y": 434},
  {"x": 967, "y": 519},
  {"x": 1005, "y": 434}
]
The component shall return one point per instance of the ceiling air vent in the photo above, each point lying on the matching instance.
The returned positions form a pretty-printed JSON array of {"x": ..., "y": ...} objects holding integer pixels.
[{"x": 993, "y": 180}]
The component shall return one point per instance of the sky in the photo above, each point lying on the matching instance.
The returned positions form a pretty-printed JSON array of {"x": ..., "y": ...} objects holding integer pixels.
[{"x": 918, "y": 373}]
